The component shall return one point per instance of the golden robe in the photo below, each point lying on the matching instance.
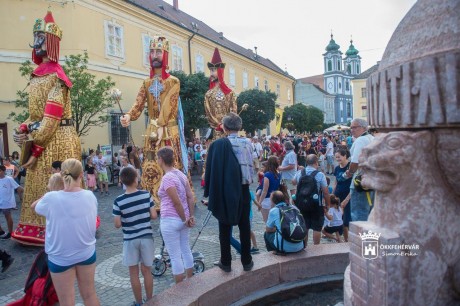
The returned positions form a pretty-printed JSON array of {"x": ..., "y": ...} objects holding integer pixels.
[
  {"x": 217, "y": 105},
  {"x": 60, "y": 143},
  {"x": 163, "y": 113}
]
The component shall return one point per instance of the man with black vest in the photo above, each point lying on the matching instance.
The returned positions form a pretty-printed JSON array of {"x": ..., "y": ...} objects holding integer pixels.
[{"x": 229, "y": 172}]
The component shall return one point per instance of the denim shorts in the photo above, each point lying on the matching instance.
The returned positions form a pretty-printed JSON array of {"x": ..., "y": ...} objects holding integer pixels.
[
  {"x": 334, "y": 229},
  {"x": 6, "y": 211},
  {"x": 54, "y": 268}
]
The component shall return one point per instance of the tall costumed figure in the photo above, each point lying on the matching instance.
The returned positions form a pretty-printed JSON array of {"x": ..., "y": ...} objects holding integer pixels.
[
  {"x": 166, "y": 120},
  {"x": 219, "y": 100},
  {"x": 48, "y": 134}
]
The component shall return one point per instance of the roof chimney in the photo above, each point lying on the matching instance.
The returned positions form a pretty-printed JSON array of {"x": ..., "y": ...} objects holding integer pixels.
[
  {"x": 176, "y": 4},
  {"x": 221, "y": 35}
]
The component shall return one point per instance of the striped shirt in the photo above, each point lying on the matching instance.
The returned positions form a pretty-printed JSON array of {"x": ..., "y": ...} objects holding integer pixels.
[
  {"x": 242, "y": 147},
  {"x": 134, "y": 210}
]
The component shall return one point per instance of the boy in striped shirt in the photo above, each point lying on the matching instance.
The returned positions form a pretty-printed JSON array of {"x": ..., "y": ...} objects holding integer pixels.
[{"x": 133, "y": 211}]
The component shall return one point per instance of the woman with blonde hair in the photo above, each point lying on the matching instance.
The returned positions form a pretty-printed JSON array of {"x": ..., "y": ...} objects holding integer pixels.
[{"x": 71, "y": 255}]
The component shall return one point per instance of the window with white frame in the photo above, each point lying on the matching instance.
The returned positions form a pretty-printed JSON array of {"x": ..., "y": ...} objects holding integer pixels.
[
  {"x": 256, "y": 82},
  {"x": 278, "y": 89},
  {"x": 363, "y": 92},
  {"x": 245, "y": 80},
  {"x": 289, "y": 94},
  {"x": 231, "y": 72},
  {"x": 176, "y": 58},
  {"x": 266, "y": 85},
  {"x": 199, "y": 63},
  {"x": 146, "y": 49},
  {"x": 114, "y": 39}
]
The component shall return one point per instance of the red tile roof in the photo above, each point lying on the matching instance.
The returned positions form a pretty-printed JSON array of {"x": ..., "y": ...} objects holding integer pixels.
[{"x": 183, "y": 20}]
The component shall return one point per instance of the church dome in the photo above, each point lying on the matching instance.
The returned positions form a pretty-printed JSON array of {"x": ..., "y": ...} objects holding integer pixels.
[
  {"x": 351, "y": 50},
  {"x": 332, "y": 45}
]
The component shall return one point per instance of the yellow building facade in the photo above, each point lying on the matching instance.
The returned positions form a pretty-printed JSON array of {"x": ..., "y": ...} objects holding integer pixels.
[
  {"x": 360, "y": 93},
  {"x": 116, "y": 35}
]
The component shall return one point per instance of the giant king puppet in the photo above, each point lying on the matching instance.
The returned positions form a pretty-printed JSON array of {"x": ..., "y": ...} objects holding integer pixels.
[
  {"x": 219, "y": 100},
  {"x": 166, "y": 121},
  {"x": 49, "y": 129}
]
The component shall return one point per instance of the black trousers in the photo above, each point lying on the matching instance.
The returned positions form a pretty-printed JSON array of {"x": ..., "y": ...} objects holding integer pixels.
[{"x": 245, "y": 233}]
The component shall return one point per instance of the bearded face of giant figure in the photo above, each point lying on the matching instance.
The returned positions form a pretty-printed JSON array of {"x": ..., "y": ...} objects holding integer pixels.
[
  {"x": 213, "y": 77},
  {"x": 39, "y": 44},
  {"x": 156, "y": 56}
]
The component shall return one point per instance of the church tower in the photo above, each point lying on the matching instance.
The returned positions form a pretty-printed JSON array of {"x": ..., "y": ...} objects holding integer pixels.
[
  {"x": 338, "y": 73},
  {"x": 332, "y": 67},
  {"x": 352, "y": 61}
]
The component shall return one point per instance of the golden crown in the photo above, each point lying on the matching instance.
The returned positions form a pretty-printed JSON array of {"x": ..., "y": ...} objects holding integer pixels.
[
  {"x": 50, "y": 27},
  {"x": 159, "y": 42}
]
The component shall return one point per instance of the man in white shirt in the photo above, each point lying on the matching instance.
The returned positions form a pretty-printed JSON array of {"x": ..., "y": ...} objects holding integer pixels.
[
  {"x": 288, "y": 167},
  {"x": 361, "y": 202},
  {"x": 330, "y": 155},
  {"x": 257, "y": 151}
]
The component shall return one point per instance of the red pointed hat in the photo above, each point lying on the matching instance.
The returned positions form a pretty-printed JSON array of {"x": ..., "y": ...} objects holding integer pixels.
[
  {"x": 49, "y": 17},
  {"x": 216, "y": 61}
]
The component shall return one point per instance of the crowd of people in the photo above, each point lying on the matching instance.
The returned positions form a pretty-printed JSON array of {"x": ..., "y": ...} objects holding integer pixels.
[
  {"x": 281, "y": 167},
  {"x": 293, "y": 175}
]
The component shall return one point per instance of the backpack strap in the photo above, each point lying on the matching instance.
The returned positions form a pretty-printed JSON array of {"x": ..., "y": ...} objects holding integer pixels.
[
  {"x": 313, "y": 174},
  {"x": 278, "y": 231}
]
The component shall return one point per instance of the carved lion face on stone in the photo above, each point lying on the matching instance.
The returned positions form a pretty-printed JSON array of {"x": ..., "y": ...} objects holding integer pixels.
[{"x": 393, "y": 156}]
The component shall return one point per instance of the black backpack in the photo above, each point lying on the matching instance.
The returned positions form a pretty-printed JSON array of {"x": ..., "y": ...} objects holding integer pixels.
[
  {"x": 307, "y": 197},
  {"x": 293, "y": 227}
]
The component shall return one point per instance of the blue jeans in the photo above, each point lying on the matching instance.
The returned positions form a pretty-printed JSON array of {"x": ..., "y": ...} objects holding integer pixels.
[
  {"x": 359, "y": 205},
  {"x": 235, "y": 243}
]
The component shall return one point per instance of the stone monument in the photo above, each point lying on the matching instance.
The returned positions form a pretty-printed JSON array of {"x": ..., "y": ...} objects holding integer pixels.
[{"x": 408, "y": 253}]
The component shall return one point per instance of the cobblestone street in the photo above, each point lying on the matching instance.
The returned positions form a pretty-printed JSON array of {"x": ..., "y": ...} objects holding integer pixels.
[{"x": 112, "y": 278}]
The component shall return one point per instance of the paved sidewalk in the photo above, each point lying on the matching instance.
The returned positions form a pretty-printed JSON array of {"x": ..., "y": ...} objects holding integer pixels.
[{"x": 112, "y": 279}]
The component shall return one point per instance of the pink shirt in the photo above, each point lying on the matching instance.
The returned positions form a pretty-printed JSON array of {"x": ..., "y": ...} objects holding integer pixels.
[{"x": 174, "y": 178}]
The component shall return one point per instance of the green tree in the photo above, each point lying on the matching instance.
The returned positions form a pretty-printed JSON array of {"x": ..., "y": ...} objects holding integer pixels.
[
  {"x": 90, "y": 97},
  {"x": 260, "y": 111},
  {"x": 193, "y": 87},
  {"x": 302, "y": 118}
]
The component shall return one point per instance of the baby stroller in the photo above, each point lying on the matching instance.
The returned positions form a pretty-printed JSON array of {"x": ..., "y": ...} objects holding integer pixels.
[
  {"x": 39, "y": 287},
  {"x": 162, "y": 260}
]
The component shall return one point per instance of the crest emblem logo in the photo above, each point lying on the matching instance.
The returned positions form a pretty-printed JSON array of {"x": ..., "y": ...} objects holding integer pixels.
[{"x": 370, "y": 245}]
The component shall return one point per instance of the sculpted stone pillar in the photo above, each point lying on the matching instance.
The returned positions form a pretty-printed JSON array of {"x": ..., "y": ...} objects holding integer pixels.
[{"x": 408, "y": 253}]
